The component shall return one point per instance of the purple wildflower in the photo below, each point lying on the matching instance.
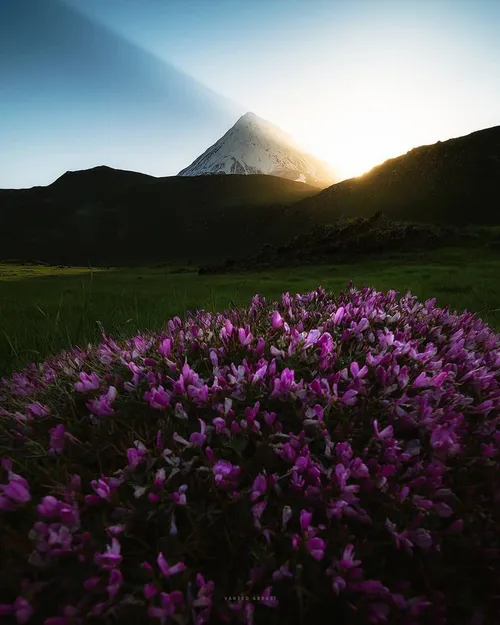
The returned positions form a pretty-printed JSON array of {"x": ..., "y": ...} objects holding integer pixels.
[
  {"x": 16, "y": 491},
  {"x": 168, "y": 605},
  {"x": 57, "y": 437},
  {"x": 111, "y": 558},
  {"x": 316, "y": 547},
  {"x": 87, "y": 382},
  {"x": 276, "y": 320},
  {"x": 167, "y": 570}
]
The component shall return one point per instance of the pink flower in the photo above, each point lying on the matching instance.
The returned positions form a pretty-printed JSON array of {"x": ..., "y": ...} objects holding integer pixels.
[
  {"x": 180, "y": 439},
  {"x": 57, "y": 436},
  {"x": 422, "y": 381},
  {"x": 422, "y": 538},
  {"x": 111, "y": 558},
  {"x": 245, "y": 337},
  {"x": 349, "y": 398},
  {"x": 102, "y": 488},
  {"x": 438, "y": 379},
  {"x": 204, "y": 596},
  {"x": 158, "y": 398},
  {"x": 140, "y": 344},
  {"x": 168, "y": 605},
  {"x": 102, "y": 406},
  {"x": 259, "y": 487},
  {"x": 23, "y": 610},
  {"x": 276, "y": 320},
  {"x": 356, "y": 372},
  {"x": 369, "y": 586},
  {"x": 387, "y": 432},
  {"x": 261, "y": 345},
  {"x": 456, "y": 527},
  {"x": 348, "y": 561},
  {"x": 87, "y": 382},
  {"x": 210, "y": 454},
  {"x": 70, "y": 515},
  {"x": 225, "y": 473},
  {"x": 316, "y": 548},
  {"x": 315, "y": 413},
  {"x": 136, "y": 455},
  {"x": 76, "y": 482},
  {"x": 115, "y": 582},
  {"x": 267, "y": 598},
  {"x": 443, "y": 438},
  {"x": 17, "y": 490},
  {"x": 282, "y": 573},
  {"x": 269, "y": 417},
  {"x": 488, "y": 450},
  {"x": 180, "y": 496},
  {"x": 49, "y": 507},
  {"x": 338, "y": 584},
  {"x": 312, "y": 338},
  {"x": 305, "y": 520},
  {"x": 259, "y": 374},
  {"x": 219, "y": 424},
  {"x": 167, "y": 570},
  {"x": 165, "y": 348},
  {"x": 339, "y": 315},
  {"x": 198, "y": 438},
  {"x": 257, "y": 511},
  {"x": 22, "y": 385},
  {"x": 38, "y": 409}
]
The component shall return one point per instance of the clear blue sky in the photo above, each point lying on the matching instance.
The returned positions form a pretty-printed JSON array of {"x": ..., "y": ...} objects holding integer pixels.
[{"x": 149, "y": 84}]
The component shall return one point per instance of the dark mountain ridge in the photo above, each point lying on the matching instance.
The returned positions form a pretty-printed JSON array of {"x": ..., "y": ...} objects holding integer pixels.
[
  {"x": 97, "y": 181},
  {"x": 451, "y": 182},
  {"x": 109, "y": 216}
]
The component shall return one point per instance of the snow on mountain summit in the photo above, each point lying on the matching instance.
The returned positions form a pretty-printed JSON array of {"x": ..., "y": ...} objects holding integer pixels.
[{"x": 256, "y": 146}]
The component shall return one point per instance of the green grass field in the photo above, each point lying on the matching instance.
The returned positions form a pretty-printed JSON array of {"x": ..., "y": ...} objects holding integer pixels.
[{"x": 45, "y": 309}]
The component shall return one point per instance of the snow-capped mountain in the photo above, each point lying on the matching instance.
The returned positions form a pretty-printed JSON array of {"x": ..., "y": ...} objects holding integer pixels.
[{"x": 255, "y": 146}]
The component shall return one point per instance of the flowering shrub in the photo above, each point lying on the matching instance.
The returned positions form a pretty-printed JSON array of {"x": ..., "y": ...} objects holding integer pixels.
[{"x": 315, "y": 460}]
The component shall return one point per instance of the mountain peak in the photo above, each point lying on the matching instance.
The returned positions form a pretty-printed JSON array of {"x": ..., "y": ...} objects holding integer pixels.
[
  {"x": 249, "y": 116},
  {"x": 256, "y": 146},
  {"x": 97, "y": 178},
  {"x": 99, "y": 169},
  {"x": 263, "y": 125}
]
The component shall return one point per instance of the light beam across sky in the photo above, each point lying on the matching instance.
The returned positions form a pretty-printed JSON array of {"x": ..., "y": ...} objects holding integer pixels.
[{"x": 354, "y": 82}]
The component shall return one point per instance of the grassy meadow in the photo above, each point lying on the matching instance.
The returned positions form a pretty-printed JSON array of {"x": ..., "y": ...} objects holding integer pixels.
[{"x": 46, "y": 309}]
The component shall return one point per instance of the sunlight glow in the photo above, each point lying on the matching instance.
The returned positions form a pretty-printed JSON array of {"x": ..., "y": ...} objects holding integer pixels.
[
  {"x": 360, "y": 143},
  {"x": 361, "y": 136}
]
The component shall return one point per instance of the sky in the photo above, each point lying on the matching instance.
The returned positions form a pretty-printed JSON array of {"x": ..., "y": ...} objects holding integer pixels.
[{"x": 148, "y": 85}]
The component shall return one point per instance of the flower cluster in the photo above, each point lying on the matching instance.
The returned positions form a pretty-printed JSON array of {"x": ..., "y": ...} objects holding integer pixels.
[{"x": 317, "y": 455}]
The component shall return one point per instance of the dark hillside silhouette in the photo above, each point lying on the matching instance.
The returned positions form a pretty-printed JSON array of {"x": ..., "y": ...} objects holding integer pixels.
[
  {"x": 451, "y": 182},
  {"x": 116, "y": 217},
  {"x": 108, "y": 216}
]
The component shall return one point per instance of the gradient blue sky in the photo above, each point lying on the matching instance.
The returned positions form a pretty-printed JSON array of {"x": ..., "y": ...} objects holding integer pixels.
[{"x": 149, "y": 84}]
